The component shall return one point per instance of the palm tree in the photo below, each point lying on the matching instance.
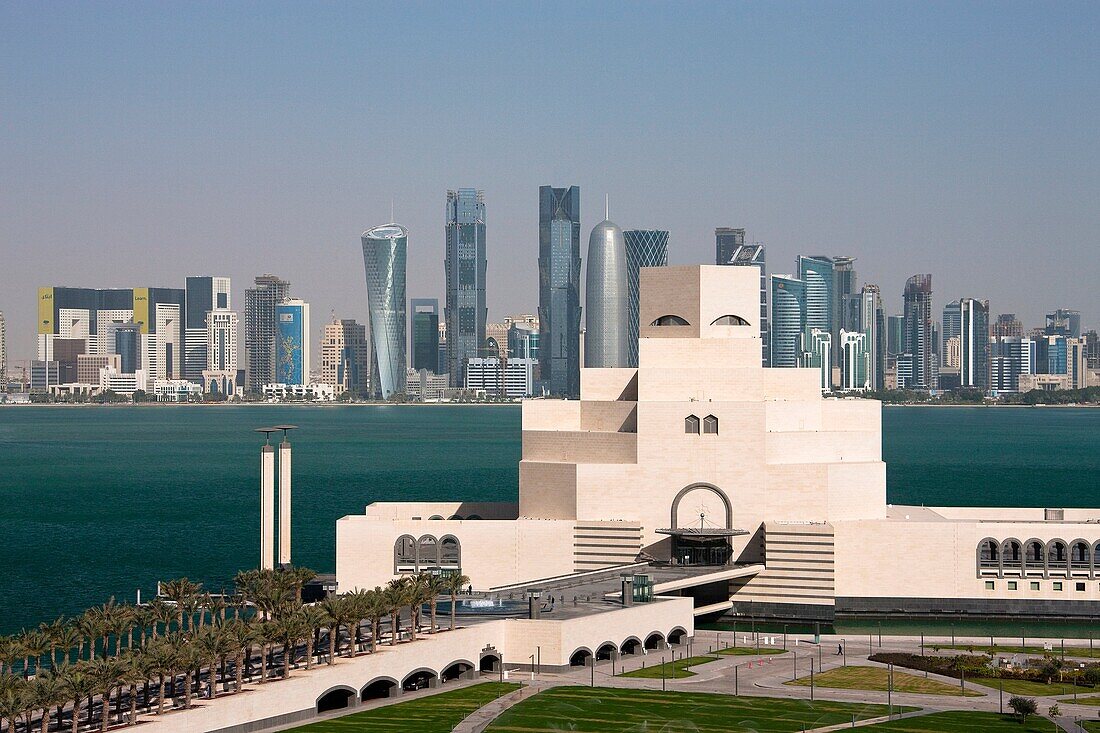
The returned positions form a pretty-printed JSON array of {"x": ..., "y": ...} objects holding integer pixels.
[
  {"x": 66, "y": 639},
  {"x": 53, "y": 631},
  {"x": 314, "y": 618},
  {"x": 134, "y": 674},
  {"x": 162, "y": 658},
  {"x": 376, "y": 607},
  {"x": 190, "y": 657},
  {"x": 46, "y": 691},
  {"x": 36, "y": 645},
  {"x": 88, "y": 626},
  {"x": 437, "y": 586},
  {"x": 181, "y": 592},
  {"x": 395, "y": 599},
  {"x": 455, "y": 584},
  {"x": 106, "y": 674},
  {"x": 78, "y": 684},
  {"x": 332, "y": 615},
  {"x": 11, "y": 704},
  {"x": 242, "y": 635},
  {"x": 143, "y": 618},
  {"x": 163, "y": 613},
  {"x": 264, "y": 634},
  {"x": 9, "y": 652}
]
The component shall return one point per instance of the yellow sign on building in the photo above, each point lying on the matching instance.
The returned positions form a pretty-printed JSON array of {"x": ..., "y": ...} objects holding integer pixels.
[
  {"x": 141, "y": 308},
  {"x": 45, "y": 310}
]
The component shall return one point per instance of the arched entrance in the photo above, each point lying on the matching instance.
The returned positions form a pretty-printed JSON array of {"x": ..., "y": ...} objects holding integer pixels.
[
  {"x": 489, "y": 663},
  {"x": 705, "y": 538},
  {"x": 455, "y": 670},
  {"x": 631, "y": 645},
  {"x": 418, "y": 680},
  {"x": 605, "y": 652},
  {"x": 337, "y": 698},
  {"x": 380, "y": 688},
  {"x": 654, "y": 641},
  {"x": 580, "y": 657}
]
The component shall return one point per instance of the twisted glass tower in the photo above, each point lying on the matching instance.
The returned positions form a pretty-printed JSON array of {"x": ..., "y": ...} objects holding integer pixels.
[
  {"x": 644, "y": 248},
  {"x": 606, "y": 299},
  {"x": 384, "y": 255}
]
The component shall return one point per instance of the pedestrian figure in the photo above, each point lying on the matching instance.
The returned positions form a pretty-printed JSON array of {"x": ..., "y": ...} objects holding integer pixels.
[{"x": 839, "y": 649}]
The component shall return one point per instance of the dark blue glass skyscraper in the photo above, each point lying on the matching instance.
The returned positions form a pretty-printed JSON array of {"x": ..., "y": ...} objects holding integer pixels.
[
  {"x": 465, "y": 309},
  {"x": 559, "y": 289}
]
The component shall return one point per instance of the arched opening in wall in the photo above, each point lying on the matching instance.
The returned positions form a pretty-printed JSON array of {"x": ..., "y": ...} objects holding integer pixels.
[
  {"x": 418, "y": 680},
  {"x": 455, "y": 516},
  {"x": 656, "y": 640},
  {"x": 450, "y": 553},
  {"x": 1012, "y": 557},
  {"x": 378, "y": 689},
  {"x": 710, "y": 425},
  {"x": 1057, "y": 557},
  {"x": 1034, "y": 557},
  {"x": 337, "y": 698},
  {"x": 455, "y": 670},
  {"x": 435, "y": 517},
  {"x": 474, "y": 516},
  {"x": 580, "y": 657},
  {"x": 404, "y": 554},
  {"x": 676, "y": 636},
  {"x": 729, "y": 320},
  {"x": 691, "y": 425},
  {"x": 631, "y": 646},
  {"x": 1096, "y": 558},
  {"x": 989, "y": 556},
  {"x": 670, "y": 320},
  {"x": 489, "y": 663},
  {"x": 427, "y": 553},
  {"x": 1079, "y": 558},
  {"x": 605, "y": 651}
]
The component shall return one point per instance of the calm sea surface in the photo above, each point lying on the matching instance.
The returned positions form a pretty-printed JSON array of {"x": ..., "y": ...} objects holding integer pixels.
[{"x": 101, "y": 501}]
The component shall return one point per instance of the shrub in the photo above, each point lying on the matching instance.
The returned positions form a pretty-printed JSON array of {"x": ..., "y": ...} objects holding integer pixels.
[{"x": 1023, "y": 706}]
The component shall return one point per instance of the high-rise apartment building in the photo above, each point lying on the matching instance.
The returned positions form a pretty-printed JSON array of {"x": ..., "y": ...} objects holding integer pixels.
[
  {"x": 125, "y": 340},
  {"x": 855, "y": 361},
  {"x": 1063, "y": 322},
  {"x": 951, "y": 355},
  {"x": 465, "y": 262},
  {"x": 895, "y": 335},
  {"x": 787, "y": 296},
  {"x": 260, "y": 328},
  {"x": 1092, "y": 348},
  {"x": 221, "y": 341},
  {"x": 917, "y": 300},
  {"x": 425, "y": 335},
  {"x": 727, "y": 241},
  {"x": 845, "y": 291},
  {"x": 523, "y": 341},
  {"x": 344, "y": 356},
  {"x": 204, "y": 294},
  {"x": 385, "y": 253},
  {"x": 974, "y": 344},
  {"x": 950, "y": 324},
  {"x": 559, "y": 289},
  {"x": 748, "y": 255},
  {"x": 1012, "y": 356},
  {"x": 1007, "y": 325},
  {"x": 818, "y": 275},
  {"x": 644, "y": 248},
  {"x": 817, "y": 353},
  {"x": 292, "y": 345},
  {"x": 872, "y": 324},
  {"x": 606, "y": 299}
]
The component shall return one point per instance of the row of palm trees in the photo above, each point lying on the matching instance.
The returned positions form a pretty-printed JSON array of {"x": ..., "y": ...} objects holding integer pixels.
[{"x": 113, "y": 660}]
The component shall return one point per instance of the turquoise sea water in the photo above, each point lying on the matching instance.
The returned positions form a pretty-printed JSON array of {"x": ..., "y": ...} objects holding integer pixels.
[{"x": 105, "y": 500}]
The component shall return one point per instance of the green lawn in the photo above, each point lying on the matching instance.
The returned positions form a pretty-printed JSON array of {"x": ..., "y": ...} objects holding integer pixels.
[
  {"x": 1027, "y": 687},
  {"x": 670, "y": 669},
  {"x": 430, "y": 714},
  {"x": 607, "y": 710},
  {"x": 1056, "y": 650},
  {"x": 876, "y": 678},
  {"x": 1091, "y": 726},
  {"x": 1093, "y": 700},
  {"x": 965, "y": 722}
]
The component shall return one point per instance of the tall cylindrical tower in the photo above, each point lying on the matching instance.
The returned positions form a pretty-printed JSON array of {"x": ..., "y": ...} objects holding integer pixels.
[
  {"x": 606, "y": 302},
  {"x": 267, "y": 507},
  {"x": 384, "y": 254},
  {"x": 284, "y": 503}
]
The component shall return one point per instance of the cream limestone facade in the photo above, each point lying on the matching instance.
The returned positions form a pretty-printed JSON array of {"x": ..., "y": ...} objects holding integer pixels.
[{"x": 701, "y": 457}]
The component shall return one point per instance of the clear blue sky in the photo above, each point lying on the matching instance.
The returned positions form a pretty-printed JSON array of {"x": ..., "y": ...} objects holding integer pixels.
[{"x": 140, "y": 142}]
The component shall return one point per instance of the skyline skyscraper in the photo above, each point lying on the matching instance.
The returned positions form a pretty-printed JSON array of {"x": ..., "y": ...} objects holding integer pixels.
[
  {"x": 818, "y": 275},
  {"x": 917, "y": 300},
  {"x": 749, "y": 255},
  {"x": 292, "y": 349},
  {"x": 787, "y": 296},
  {"x": 845, "y": 291},
  {"x": 855, "y": 362},
  {"x": 260, "y": 328},
  {"x": 465, "y": 264},
  {"x": 1063, "y": 322},
  {"x": 872, "y": 324},
  {"x": 221, "y": 341},
  {"x": 385, "y": 252},
  {"x": 974, "y": 343},
  {"x": 204, "y": 294},
  {"x": 3, "y": 354},
  {"x": 559, "y": 289},
  {"x": 950, "y": 325},
  {"x": 644, "y": 248},
  {"x": 425, "y": 334},
  {"x": 344, "y": 357},
  {"x": 1011, "y": 357},
  {"x": 606, "y": 299},
  {"x": 727, "y": 240},
  {"x": 817, "y": 348}
]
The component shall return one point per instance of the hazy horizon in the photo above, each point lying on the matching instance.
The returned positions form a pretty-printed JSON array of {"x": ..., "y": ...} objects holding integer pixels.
[{"x": 142, "y": 144}]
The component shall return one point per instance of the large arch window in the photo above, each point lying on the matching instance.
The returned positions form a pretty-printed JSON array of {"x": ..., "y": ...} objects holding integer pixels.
[
  {"x": 1096, "y": 557},
  {"x": 1079, "y": 557},
  {"x": 691, "y": 425},
  {"x": 1035, "y": 559},
  {"x": 450, "y": 553},
  {"x": 1057, "y": 557},
  {"x": 404, "y": 554},
  {"x": 989, "y": 557},
  {"x": 670, "y": 320},
  {"x": 729, "y": 320},
  {"x": 427, "y": 553},
  {"x": 710, "y": 425},
  {"x": 1011, "y": 554}
]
